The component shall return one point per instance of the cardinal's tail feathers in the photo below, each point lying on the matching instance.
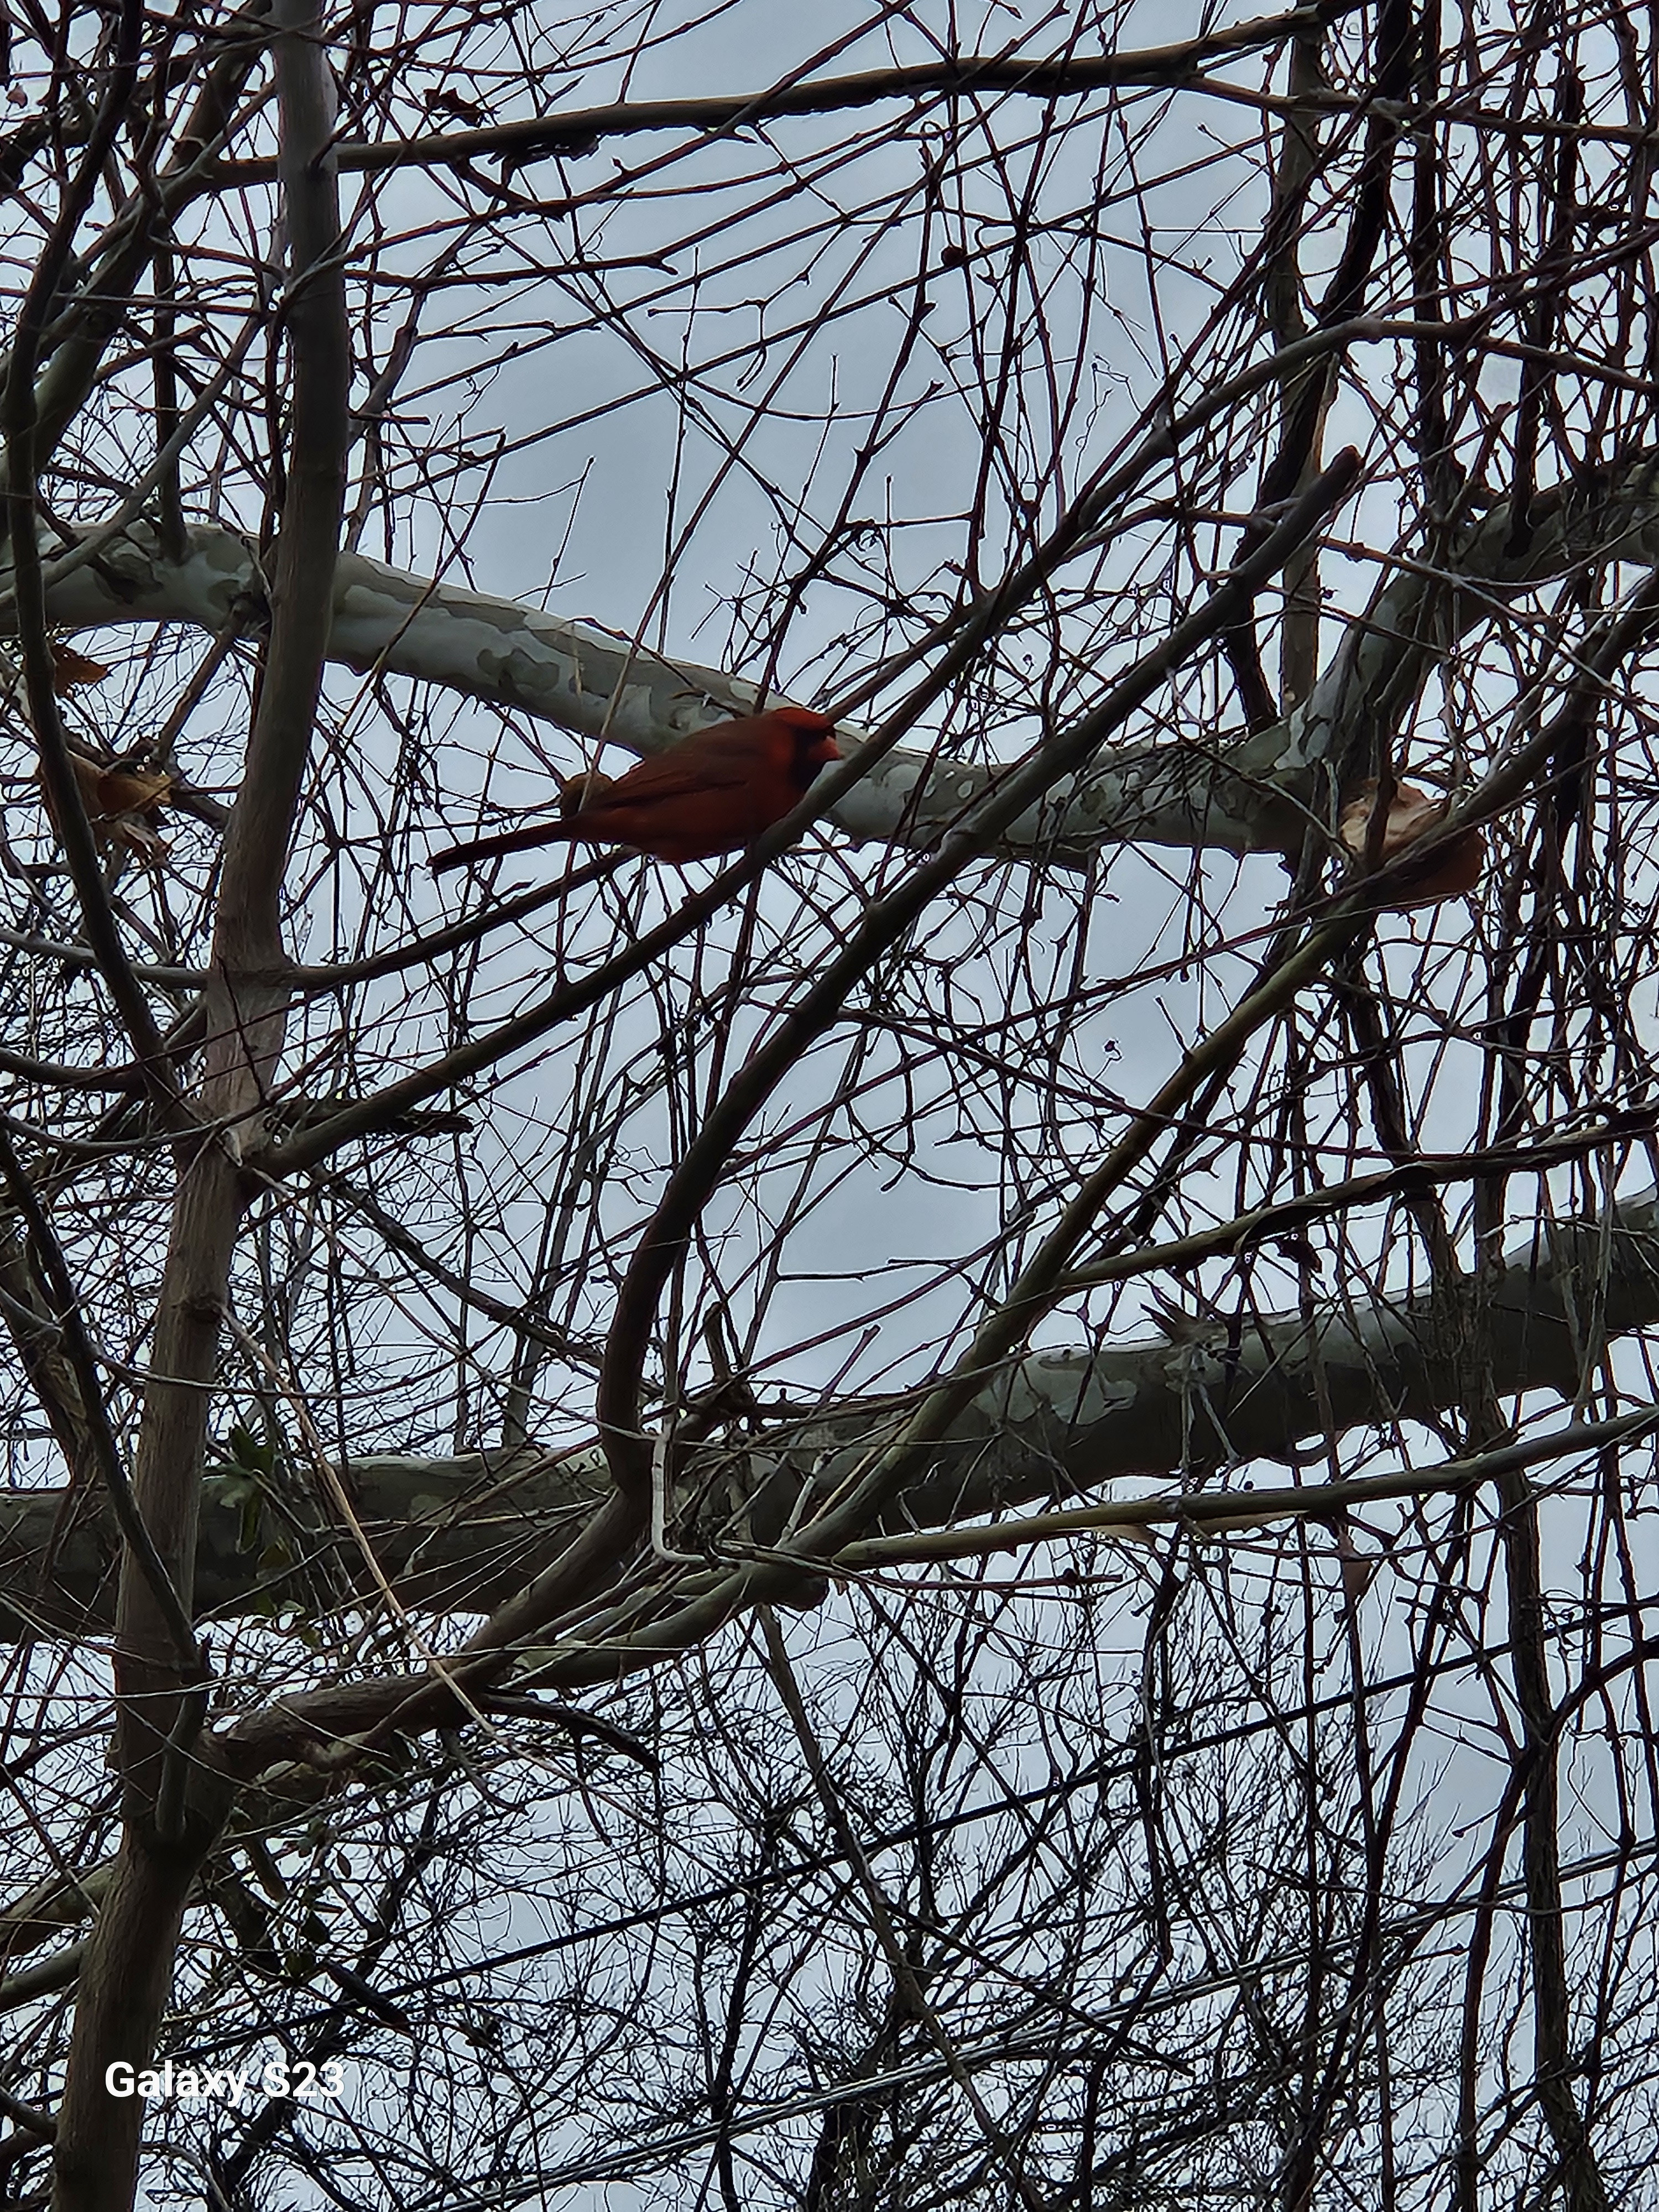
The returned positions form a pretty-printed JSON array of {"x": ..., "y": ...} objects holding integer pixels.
[{"x": 510, "y": 841}]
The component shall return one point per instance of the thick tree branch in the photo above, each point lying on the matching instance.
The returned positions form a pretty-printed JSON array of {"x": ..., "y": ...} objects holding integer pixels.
[
  {"x": 1240, "y": 796},
  {"x": 581, "y": 130},
  {"x": 463, "y": 1535},
  {"x": 1055, "y": 1424}
]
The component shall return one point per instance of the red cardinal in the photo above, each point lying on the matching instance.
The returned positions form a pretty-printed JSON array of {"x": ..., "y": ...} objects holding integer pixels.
[{"x": 714, "y": 792}]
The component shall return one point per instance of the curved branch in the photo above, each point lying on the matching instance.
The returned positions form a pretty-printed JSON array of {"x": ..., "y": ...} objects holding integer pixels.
[{"x": 1240, "y": 796}]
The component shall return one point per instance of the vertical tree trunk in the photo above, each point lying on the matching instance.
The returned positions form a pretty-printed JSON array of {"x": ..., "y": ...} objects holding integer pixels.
[{"x": 172, "y": 1815}]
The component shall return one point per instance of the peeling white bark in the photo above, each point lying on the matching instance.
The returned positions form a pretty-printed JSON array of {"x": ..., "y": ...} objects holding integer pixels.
[
  {"x": 460, "y": 1534},
  {"x": 1241, "y": 795}
]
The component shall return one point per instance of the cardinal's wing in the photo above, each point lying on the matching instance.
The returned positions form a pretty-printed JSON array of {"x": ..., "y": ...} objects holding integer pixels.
[{"x": 671, "y": 777}]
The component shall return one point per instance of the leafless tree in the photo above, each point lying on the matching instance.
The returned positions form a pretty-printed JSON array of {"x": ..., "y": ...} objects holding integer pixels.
[{"x": 954, "y": 1511}]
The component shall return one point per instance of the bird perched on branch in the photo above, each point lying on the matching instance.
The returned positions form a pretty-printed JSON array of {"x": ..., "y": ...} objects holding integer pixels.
[
  {"x": 122, "y": 800},
  {"x": 712, "y": 793},
  {"x": 1457, "y": 867}
]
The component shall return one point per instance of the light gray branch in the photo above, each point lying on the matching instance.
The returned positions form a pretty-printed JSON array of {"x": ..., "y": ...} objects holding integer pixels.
[
  {"x": 1243, "y": 795},
  {"x": 461, "y": 1535}
]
